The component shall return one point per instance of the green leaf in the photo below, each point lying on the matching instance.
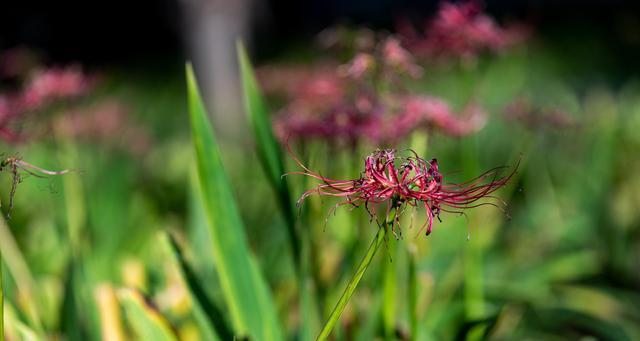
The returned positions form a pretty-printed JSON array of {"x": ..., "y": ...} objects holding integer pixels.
[
  {"x": 17, "y": 329},
  {"x": 207, "y": 313},
  {"x": 145, "y": 320},
  {"x": 561, "y": 321},
  {"x": 268, "y": 150},
  {"x": 1, "y": 301},
  {"x": 244, "y": 289}
]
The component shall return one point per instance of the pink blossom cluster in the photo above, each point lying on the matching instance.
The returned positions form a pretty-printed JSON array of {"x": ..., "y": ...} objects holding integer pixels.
[
  {"x": 43, "y": 88},
  {"x": 17, "y": 62},
  {"x": 387, "y": 60},
  {"x": 407, "y": 181},
  {"x": 49, "y": 85},
  {"x": 307, "y": 89},
  {"x": 377, "y": 122},
  {"x": 525, "y": 112},
  {"x": 107, "y": 123},
  {"x": 368, "y": 99},
  {"x": 460, "y": 30}
]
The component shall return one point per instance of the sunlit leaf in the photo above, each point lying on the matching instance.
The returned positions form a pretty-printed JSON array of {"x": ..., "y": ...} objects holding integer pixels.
[
  {"x": 206, "y": 312},
  {"x": 245, "y": 291},
  {"x": 267, "y": 145},
  {"x": 146, "y": 321}
]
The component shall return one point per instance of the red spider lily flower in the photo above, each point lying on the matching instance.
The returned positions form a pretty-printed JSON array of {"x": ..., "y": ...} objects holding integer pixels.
[
  {"x": 436, "y": 113},
  {"x": 461, "y": 30},
  {"x": 55, "y": 84},
  {"x": 7, "y": 113},
  {"x": 44, "y": 88},
  {"x": 358, "y": 67},
  {"x": 397, "y": 57},
  {"x": 408, "y": 181},
  {"x": 316, "y": 84},
  {"x": 531, "y": 116},
  {"x": 345, "y": 122},
  {"x": 378, "y": 121}
]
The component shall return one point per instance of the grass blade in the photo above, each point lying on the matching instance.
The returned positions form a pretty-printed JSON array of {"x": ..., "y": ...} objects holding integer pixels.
[
  {"x": 214, "y": 321},
  {"x": 17, "y": 329},
  {"x": 268, "y": 149},
  {"x": 19, "y": 269},
  {"x": 145, "y": 320},
  {"x": 109, "y": 312},
  {"x": 245, "y": 291},
  {"x": 1, "y": 300}
]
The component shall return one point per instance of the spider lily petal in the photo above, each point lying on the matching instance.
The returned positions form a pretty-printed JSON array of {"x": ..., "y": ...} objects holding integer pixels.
[{"x": 399, "y": 181}]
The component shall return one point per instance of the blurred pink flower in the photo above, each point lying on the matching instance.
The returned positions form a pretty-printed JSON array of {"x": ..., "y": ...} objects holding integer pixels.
[
  {"x": 6, "y": 109},
  {"x": 7, "y": 113},
  {"x": 523, "y": 111},
  {"x": 17, "y": 62},
  {"x": 340, "y": 39},
  {"x": 436, "y": 113},
  {"x": 44, "y": 88},
  {"x": 48, "y": 85},
  {"x": 460, "y": 30},
  {"x": 361, "y": 65},
  {"x": 344, "y": 122},
  {"x": 108, "y": 123},
  {"x": 307, "y": 89},
  {"x": 397, "y": 57},
  {"x": 407, "y": 181},
  {"x": 379, "y": 122},
  {"x": 295, "y": 81}
]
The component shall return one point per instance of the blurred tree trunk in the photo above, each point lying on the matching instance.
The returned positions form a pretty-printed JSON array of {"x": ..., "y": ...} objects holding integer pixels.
[{"x": 211, "y": 28}]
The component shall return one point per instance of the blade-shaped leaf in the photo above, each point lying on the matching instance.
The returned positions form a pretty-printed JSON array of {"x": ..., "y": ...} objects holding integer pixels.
[
  {"x": 145, "y": 320},
  {"x": 213, "y": 321},
  {"x": 17, "y": 329},
  {"x": 245, "y": 291},
  {"x": 267, "y": 147}
]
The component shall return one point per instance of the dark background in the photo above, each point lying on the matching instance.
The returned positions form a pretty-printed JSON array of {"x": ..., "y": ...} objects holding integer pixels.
[{"x": 120, "y": 31}]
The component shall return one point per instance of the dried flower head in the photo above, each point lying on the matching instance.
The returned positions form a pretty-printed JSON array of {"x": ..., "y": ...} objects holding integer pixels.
[
  {"x": 408, "y": 181},
  {"x": 16, "y": 167}
]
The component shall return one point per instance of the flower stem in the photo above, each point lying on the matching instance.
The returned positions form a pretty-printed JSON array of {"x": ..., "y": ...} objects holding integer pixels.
[
  {"x": 389, "y": 289},
  {"x": 351, "y": 287},
  {"x": 412, "y": 293}
]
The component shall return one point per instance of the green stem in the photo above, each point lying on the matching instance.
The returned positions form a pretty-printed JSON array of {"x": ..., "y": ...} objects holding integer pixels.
[
  {"x": 412, "y": 292},
  {"x": 390, "y": 286},
  {"x": 389, "y": 289},
  {"x": 351, "y": 287},
  {"x": 474, "y": 302}
]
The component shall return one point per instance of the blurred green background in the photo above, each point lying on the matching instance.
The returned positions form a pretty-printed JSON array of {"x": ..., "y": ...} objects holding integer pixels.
[{"x": 154, "y": 241}]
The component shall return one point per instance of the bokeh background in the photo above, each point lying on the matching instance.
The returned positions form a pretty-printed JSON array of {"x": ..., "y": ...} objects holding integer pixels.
[{"x": 131, "y": 243}]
